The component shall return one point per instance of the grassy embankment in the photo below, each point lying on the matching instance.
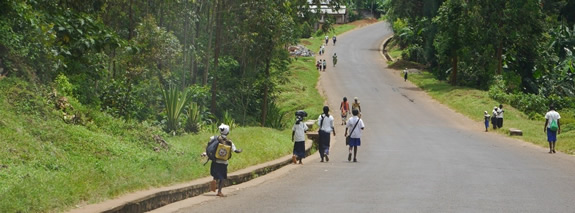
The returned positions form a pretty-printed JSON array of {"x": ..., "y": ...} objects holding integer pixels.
[
  {"x": 472, "y": 102},
  {"x": 49, "y": 163}
]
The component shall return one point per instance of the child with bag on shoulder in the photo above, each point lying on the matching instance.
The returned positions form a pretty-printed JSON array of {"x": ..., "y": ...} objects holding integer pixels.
[
  {"x": 219, "y": 151},
  {"x": 353, "y": 136}
]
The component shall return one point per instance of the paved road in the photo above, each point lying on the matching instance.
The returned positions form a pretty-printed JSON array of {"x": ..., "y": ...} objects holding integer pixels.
[{"x": 416, "y": 155}]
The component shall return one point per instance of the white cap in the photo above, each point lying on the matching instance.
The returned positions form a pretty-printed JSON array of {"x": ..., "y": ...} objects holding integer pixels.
[{"x": 224, "y": 129}]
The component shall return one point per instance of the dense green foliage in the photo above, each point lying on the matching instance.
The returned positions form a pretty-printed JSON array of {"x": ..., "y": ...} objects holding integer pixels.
[
  {"x": 117, "y": 55},
  {"x": 86, "y": 126},
  {"x": 521, "y": 51}
]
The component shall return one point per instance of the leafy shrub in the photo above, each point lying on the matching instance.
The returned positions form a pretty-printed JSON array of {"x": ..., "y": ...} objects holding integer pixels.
[
  {"x": 63, "y": 85},
  {"x": 414, "y": 53}
]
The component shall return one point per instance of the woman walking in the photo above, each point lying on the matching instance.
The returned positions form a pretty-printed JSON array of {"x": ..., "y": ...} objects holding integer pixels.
[{"x": 325, "y": 122}]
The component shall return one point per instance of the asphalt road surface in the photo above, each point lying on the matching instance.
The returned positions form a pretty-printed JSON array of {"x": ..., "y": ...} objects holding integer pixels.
[{"x": 416, "y": 155}]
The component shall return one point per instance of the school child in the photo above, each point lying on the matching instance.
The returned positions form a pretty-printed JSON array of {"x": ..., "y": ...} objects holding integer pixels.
[
  {"x": 344, "y": 107},
  {"x": 487, "y": 118},
  {"x": 355, "y": 105},
  {"x": 219, "y": 167},
  {"x": 353, "y": 129},
  {"x": 325, "y": 122},
  {"x": 494, "y": 118},
  {"x": 298, "y": 137}
]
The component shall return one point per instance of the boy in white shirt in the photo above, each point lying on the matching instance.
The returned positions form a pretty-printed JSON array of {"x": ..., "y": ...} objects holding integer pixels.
[{"x": 355, "y": 127}]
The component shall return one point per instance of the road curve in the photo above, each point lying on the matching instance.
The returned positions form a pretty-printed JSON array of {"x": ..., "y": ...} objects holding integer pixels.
[{"x": 416, "y": 155}]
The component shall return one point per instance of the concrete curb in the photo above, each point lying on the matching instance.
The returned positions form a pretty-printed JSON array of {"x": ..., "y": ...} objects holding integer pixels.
[
  {"x": 148, "y": 200},
  {"x": 384, "y": 51}
]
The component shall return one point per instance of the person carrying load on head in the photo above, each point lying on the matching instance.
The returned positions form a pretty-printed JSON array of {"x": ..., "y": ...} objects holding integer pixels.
[{"x": 298, "y": 137}]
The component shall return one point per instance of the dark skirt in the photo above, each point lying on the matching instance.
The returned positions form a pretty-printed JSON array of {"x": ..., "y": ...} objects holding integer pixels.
[
  {"x": 219, "y": 171},
  {"x": 499, "y": 122},
  {"x": 324, "y": 143},
  {"x": 299, "y": 149}
]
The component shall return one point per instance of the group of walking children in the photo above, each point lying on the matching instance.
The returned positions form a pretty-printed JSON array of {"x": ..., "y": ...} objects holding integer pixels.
[
  {"x": 496, "y": 117},
  {"x": 321, "y": 65}
]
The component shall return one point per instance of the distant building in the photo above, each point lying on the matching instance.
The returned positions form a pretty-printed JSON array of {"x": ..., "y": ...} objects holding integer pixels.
[{"x": 339, "y": 13}]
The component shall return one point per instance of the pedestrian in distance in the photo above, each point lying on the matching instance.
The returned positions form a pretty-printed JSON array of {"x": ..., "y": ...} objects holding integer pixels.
[
  {"x": 494, "y": 117},
  {"x": 325, "y": 122},
  {"x": 318, "y": 65},
  {"x": 500, "y": 116},
  {"x": 552, "y": 127},
  {"x": 298, "y": 137},
  {"x": 334, "y": 40},
  {"x": 344, "y": 107},
  {"x": 219, "y": 166},
  {"x": 355, "y": 126},
  {"x": 405, "y": 74},
  {"x": 487, "y": 117},
  {"x": 334, "y": 58},
  {"x": 355, "y": 105},
  {"x": 326, "y": 40},
  {"x": 324, "y": 64}
]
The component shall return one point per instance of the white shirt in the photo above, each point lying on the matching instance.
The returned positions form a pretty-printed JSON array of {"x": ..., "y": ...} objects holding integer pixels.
[
  {"x": 552, "y": 115},
  {"x": 327, "y": 124},
  {"x": 351, "y": 123},
  {"x": 299, "y": 130},
  {"x": 499, "y": 113}
]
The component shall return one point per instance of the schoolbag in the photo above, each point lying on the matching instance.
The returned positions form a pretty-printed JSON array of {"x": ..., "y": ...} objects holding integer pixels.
[
  {"x": 217, "y": 151},
  {"x": 553, "y": 126}
]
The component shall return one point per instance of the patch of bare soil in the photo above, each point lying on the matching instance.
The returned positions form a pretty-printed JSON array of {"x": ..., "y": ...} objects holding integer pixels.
[{"x": 363, "y": 22}]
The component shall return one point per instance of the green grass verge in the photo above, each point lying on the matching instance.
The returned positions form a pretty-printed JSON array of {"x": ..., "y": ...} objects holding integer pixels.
[
  {"x": 472, "y": 103},
  {"x": 48, "y": 164},
  {"x": 301, "y": 93}
]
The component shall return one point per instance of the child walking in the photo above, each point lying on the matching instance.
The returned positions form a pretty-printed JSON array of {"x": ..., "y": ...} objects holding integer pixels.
[
  {"x": 486, "y": 116},
  {"x": 344, "y": 107},
  {"x": 354, "y": 128}
]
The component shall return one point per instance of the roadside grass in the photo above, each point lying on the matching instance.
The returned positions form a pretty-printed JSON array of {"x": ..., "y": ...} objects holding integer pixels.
[
  {"x": 300, "y": 92},
  {"x": 472, "y": 103},
  {"x": 48, "y": 164}
]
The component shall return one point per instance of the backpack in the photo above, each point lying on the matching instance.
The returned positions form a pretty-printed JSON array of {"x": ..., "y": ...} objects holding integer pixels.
[
  {"x": 553, "y": 126},
  {"x": 217, "y": 151}
]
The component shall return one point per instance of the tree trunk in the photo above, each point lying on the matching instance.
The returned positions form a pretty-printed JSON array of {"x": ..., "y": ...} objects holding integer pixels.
[
  {"x": 131, "y": 24},
  {"x": 266, "y": 93},
  {"x": 499, "y": 58},
  {"x": 185, "y": 56},
  {"x": 453, "y": 78},
  {"x": 207, "y": 55},
  {"x": 219, "y": 6}
]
